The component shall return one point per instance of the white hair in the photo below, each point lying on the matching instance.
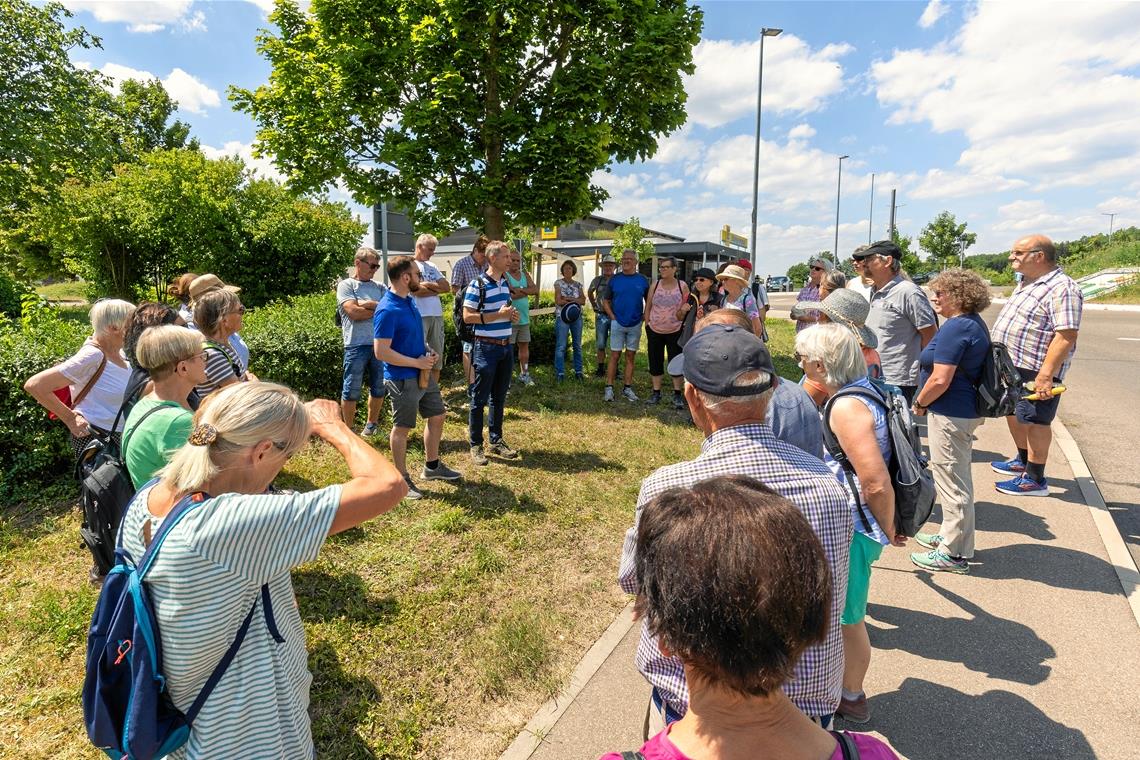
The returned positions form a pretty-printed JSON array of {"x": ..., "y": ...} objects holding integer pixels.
[
  {"x": 837, "y": 349},
  {"x": 426, "y": 239},
  {"x": 754, "y": 405},
  {"x": 110, "y": 312}
]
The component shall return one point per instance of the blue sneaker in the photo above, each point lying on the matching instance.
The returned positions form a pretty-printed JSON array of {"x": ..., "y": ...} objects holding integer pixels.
[
  {"x": 1023, "y": 485},
  {"x": 1011, "y": 466}
]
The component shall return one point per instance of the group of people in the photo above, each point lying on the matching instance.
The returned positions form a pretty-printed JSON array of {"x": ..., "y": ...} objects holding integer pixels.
[{"x": 751, "y": 563}]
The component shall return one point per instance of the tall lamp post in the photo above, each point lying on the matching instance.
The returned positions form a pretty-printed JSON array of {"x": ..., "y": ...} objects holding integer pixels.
[
  {"x": 838, "y": 186},
  {"x": 871, "y": 213},
  {"x": 1111, "y": 219},
  {"x": 765, "y": 32}
]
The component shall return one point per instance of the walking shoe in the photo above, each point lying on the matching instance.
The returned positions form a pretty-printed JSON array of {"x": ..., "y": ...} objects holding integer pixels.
[
  {"x": 678, "y": 401},
  {"x": 627, "y": 391},
  {"x": 600, "y": 371},
  {"x": 501, "y": 449},
  {"x": 1023, "y": 486},
  {"x": 854, "y": 710},
  {"x": 654, "y": 398},
  {"x": 524, "y": 378},
  {"x": 413, "y": 492},
  {"x": 478, "y": 457},
  {"x": 559, "y": 378},
  {"x": 441, "y": 472},
  {"x": 371, "y": 429},
  {"x": 609, "y": 394},
  {"x": 1011, "y": 466},
  {"x": 938, "y": 561},
  {"x": 928, "y": 540}
]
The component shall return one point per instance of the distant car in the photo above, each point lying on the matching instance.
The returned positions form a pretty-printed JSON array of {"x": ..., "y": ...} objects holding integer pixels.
[
  {"x": 923, "y": 277},
  {"x": 779, "y": 283}
]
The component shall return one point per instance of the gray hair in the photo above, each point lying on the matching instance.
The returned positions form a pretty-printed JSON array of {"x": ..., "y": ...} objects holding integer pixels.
[
  {"x": 211, "y": 307},
  {"x": 837, "y": 349},
  {"x": 753, "y": 405},
  {"x": 365, "y": 251},
  {"x": 110, "y": 312},
  {"x": 823, "y": 262},
  {"x": 426, "y": 239}
]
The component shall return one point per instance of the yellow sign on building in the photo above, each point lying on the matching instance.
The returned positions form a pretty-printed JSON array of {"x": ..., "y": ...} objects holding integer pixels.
[
  {"x": 549, "y": 233},
  {"x": 730, "y": 239}
]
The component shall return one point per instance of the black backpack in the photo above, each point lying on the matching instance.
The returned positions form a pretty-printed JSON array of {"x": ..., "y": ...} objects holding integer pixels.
[
  {"x": 466, "y": 332},
  {"x": 105, "y": 490},
  {"x": 911, "y": 479},
  {"x": 999, "y": 385}
]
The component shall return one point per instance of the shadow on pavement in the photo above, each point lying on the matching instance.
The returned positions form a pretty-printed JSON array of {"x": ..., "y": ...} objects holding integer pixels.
[
  {"x": 1004, "y": 518},
  {"x": 983, "y": 643},
  {"x": 1051, "y": 565},
  {"x": 929, "y": 721}
]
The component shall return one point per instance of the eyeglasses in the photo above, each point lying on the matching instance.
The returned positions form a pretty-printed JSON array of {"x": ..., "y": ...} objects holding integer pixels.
[
  {"x": 799, "y": 357},
  {"x": 817, "y": 269},
  {"x": 369, "y": 264},
  {"x": 1024, "y": 253},
  {"x": 701, "y": 279},
  {"x": 238, "y": 310}
]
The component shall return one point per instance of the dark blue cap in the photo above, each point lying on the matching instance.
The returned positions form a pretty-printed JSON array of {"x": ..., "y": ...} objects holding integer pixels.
[{"x": 717, "y": 355}]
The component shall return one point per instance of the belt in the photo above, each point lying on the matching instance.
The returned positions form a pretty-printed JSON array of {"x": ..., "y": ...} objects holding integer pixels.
[{"x": 495, "y": 341}]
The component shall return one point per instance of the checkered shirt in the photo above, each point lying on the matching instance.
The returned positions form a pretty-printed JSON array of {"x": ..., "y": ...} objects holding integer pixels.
[
  {"x": 752, "y": 450},
  {"x": 1034, "y": 314},
  {"x": 464, "y": 271}
]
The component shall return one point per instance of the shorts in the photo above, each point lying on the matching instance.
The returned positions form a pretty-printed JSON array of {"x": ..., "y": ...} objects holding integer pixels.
[
  {"x": 358, "y": 359},
  {"x": 409, "y": 399},
  {"x": 433, "y": 333},
  {"x": 1035, "y": 412},
  {"x": 601, "y": 331},
  {"x": 864, "y": 551},
  {"x": 520, "y": 333},
  {"x": 622, "y": 337}
]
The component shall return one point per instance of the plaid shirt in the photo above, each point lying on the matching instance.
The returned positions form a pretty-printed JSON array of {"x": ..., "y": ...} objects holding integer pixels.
[
  {"x": 1034, "y": 314},
  {"x": 752, "y": 450},
  {"x": 464, "y": 271}
]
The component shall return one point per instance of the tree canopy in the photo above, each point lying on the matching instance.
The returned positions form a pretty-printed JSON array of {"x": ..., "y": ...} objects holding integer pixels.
[
  {"x": 631, "y": 235},
  {"x": 944, "y": 239},
  {"x": 492, "y": 112}
]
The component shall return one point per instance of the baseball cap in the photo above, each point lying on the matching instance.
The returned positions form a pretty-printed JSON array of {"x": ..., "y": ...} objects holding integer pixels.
[
  {"x": 608, "y": 259},
  {"x": 719, "y": 354},
  {"x": 744, "y": 264}
]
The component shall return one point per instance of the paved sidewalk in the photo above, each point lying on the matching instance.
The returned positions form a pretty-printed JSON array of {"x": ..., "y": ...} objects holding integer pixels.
[{"x": 1035, "y": 653}]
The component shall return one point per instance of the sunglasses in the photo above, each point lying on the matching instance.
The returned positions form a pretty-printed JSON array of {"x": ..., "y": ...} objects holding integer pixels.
[
  {"x": 238, "y": 310},
  {"x": 370, "y": 265},
  {"x": 817, "y": 269}
]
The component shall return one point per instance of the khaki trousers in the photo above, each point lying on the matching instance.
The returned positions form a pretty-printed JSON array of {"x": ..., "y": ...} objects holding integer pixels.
[{"x": 951, "y": 448}]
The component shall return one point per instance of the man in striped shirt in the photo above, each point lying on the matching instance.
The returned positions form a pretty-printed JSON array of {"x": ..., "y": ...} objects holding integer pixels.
[
  {"x": 487, "y": 305},
  {"x": 729, "y": 379}
]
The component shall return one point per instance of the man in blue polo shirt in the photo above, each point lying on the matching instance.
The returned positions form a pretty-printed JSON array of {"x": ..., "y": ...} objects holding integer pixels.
[
  {"x": 624, "y": 303},
  {"x": 398, "y": 340},
  {"x": 487, "y": 305}
]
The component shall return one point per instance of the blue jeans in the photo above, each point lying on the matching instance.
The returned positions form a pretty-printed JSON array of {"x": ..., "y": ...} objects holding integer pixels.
[
  {"x": 601, "y": 331},
  {"x": 493, "y": 365},
  {"x": 357, "y": 361},
  {"x": 561, "y": 331}
]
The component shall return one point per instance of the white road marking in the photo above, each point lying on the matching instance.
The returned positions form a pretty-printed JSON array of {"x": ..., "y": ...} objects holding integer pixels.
[{"x": 1138, "y": 339}]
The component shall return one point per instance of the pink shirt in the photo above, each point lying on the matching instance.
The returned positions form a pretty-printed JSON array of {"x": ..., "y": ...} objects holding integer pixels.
[
  {"x": 660, "y": 748},
  {"x": 663, "y": 309}
]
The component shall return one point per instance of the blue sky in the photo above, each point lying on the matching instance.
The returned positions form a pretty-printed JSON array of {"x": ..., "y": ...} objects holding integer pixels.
[{"x": 1016, "y": 117}]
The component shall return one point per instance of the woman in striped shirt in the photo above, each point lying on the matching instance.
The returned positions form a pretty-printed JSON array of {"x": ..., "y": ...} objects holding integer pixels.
[{"x": 218, "y": 314}]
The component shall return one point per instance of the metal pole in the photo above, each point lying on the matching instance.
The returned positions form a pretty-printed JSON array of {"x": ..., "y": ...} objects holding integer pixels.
[
  {"x": 871, "y": 214},
  {"x": 891, "y": 226},
  {"x": 384, "y": 239},
  {"x": 838, "y": 186},
  {"x": 1111, "y": 219},
  {"x": 764, "y": 32}
]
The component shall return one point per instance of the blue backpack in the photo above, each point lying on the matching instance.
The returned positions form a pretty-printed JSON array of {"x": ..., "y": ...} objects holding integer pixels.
[{"x": 127, "y": 709}]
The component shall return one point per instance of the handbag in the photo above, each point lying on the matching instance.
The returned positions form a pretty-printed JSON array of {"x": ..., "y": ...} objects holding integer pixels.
[{"x": 64, "y": 393}]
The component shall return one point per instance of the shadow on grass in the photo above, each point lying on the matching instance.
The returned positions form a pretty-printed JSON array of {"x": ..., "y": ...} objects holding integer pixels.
[
  {"x": 32, "y": 515},
  {"x": 323, "y": 596},
  {"x": 485, "y": 499},
  {"x": 285, "y": 480},
  {"x": 563, "y": 461},
  {"x": 339, "y": 704}
]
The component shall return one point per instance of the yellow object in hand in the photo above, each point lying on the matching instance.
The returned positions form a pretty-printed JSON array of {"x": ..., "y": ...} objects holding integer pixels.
[{"x": 1057, "y": 391}]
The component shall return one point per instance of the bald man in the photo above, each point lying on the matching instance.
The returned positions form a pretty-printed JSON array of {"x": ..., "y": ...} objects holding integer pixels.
[{"x": 1038, "y": 324}]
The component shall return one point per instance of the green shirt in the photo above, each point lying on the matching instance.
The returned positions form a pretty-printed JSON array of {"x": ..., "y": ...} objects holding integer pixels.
[
  {"x": 161, "y": 434},
  {"x": 522, "y": 304}
]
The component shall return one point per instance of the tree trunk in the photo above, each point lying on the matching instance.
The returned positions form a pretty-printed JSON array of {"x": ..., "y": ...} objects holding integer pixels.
[{"x": 494, "y": 225}]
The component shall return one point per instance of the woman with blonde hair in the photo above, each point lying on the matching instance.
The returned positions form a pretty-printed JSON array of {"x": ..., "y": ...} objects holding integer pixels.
[
  {"x": 175, "y": 360},
  {"x": 96, "y": 376},
  {"x": 229, "y": 547},
  {"x": 218, "y": 314}
]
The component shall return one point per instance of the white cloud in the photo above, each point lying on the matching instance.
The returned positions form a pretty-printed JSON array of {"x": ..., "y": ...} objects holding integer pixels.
[
  {"x": 190, "y": 92},
  {"x": 141, "y": 16},
  {"x": 1060, "y": 115},
  {"x": 261, "y": 167},
  {"x": 266, "y": 6},
  {"x": 935, "y": 10},
  {"x": 797, "y": 79},
  {"x": 948, "y": 184},
  {"x": 118, "y": 73},
  {"x": 195, "y": 23},
  {"x": 679, "y": 146},
  {"x": 801, "y": 132}
]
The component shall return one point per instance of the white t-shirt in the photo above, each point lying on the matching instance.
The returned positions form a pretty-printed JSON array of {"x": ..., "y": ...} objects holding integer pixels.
[
  {"x": 430, "y": 306},
  {"x": 102, "y": 402},
  {"x": 857, "y": 285},
  {"x": 207, "y": 575}
]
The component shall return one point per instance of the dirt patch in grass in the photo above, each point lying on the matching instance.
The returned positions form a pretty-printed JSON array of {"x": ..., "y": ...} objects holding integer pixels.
[{"x": 435, "y": 631}]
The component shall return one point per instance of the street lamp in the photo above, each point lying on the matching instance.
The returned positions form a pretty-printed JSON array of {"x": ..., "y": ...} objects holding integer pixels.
[
  {"x": 838, "y": 185},
  {"x": 1111, "y": 219},
  {"x": 871, "y": 213},
  {"x": 765, "y": 32}
]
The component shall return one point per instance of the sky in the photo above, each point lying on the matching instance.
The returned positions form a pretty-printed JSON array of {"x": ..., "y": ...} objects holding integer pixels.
[{"x": 1017, "y": 117}]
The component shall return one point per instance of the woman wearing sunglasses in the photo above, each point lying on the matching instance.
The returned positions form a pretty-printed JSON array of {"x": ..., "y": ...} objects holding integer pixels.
[
  {"x": 810, "y": 292},
  {"x": 703, "y": 299},
  {"x": 218, "y": 314}
]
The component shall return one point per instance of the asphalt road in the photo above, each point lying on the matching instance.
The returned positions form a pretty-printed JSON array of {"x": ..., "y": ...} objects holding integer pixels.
[{"x": 1101, "y": 407}]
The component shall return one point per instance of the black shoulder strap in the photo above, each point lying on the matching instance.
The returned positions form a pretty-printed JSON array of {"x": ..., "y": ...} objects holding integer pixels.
[
  {"x": 632, "y": 756},
  {"x": 846, "y": 745},
  {"x": 226, "y": 352},
  {"x": 127, "y": 436}
]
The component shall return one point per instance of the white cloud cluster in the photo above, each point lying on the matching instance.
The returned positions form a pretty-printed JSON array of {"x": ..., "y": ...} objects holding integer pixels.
[
  {"x": 935, "y": 10},
  {"x": 143, "y": 16},
  {"x": 1047, "y": 92},
  {"x": 797, "y": 79},
  {"x": 190, "y": 92},
  {"x": 261, "y": 167}
]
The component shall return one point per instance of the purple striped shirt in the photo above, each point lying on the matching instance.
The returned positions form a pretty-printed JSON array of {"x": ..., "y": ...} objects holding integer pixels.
[{"x": 1034, "y": 314}]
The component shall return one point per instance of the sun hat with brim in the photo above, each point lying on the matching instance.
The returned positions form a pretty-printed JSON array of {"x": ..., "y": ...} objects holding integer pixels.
[
  {"x": 205, "y": 283},
  {"x": 608, "y": 259},
  {"x": 571, "y": 313},
  {"x": 732, "y": 271},
  {"x": 843, "y": 307}
]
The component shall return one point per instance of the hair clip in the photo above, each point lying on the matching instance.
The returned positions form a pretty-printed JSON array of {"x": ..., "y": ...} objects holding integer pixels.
[{"x": 203, "y": 435}]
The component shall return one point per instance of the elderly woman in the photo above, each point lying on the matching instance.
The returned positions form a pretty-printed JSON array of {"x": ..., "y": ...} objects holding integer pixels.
[
  {"x": 949, "y": 367},
  {"x": 663, "y": 327},
  {"x": 765, "y": 594},
  {"x": 703, "y": 299},
  {"x": 235, "y": 546},
  {"x": 174, "y": 359},
  {"x": 831, "y": 282},
  {"x": 734, "y": 280},
  {"x": 96, "y": 377},
  {"x": 830, "y": 357},
  {"x": 218, "y": 314},
  {"x": 568, "y": 291},
  {"x": 849, "y": 309},
  {"x": 205, "y": 283},
  {"x": 818, "y": 267}
]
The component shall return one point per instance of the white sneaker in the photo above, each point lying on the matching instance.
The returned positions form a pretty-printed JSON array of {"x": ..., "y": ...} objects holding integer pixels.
[
  {"x": 524, "y": 378},
  {"x": 629, "y": 394},
  {"x": 609, "y": 394}
]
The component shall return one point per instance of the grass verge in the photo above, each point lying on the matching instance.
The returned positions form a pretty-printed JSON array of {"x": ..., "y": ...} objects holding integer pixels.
[{"x": 435, "y": 631}]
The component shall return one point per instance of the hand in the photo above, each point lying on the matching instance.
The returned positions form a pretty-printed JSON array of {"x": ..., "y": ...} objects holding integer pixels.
[
  {"x": 918, "y": 411},
  {"x": 1043, "y": 387},
  {"x": 700, "y": 312},
  {"x": 686, "y": 307},
  {"x": 324, "y": 416},
  {"x": 427, "y": 361},
  {"x": 79, "y": 426}
]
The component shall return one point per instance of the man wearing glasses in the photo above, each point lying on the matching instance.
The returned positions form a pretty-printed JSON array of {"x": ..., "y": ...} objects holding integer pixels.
[
  {"x": 356, "y": 301},
  {"x": 1038, "y": 325},
  {"x": 901, "y": 316}
]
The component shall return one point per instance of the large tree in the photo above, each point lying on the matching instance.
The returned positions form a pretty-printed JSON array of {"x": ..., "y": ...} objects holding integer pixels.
[
  {"x": 944, "y": 238},
  {"x": 492, "y": 112}
]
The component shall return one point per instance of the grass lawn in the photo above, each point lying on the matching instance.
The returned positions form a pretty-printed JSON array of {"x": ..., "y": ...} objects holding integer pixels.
[
  {"x": 434, "y": 631},
  {"x": 64, "y": 291},
  {"x": 1125, "y": 294}
]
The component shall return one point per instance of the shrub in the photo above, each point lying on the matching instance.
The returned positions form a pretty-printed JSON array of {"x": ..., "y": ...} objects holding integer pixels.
[
  {"x": 33, "y": 449},
  {"x": 296, "y": 343},
  {"x": 11, "y": 292}
]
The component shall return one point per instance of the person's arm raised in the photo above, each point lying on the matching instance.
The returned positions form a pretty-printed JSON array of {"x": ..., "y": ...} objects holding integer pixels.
[{"x": 376, "y": 485}]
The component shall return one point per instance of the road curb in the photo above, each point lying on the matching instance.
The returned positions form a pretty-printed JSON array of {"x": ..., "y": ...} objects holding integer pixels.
[
  {"x": 1118, "y": 555},
  {"x": 539, "y": 726},
  {"x": 1090, "y": 306}
]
